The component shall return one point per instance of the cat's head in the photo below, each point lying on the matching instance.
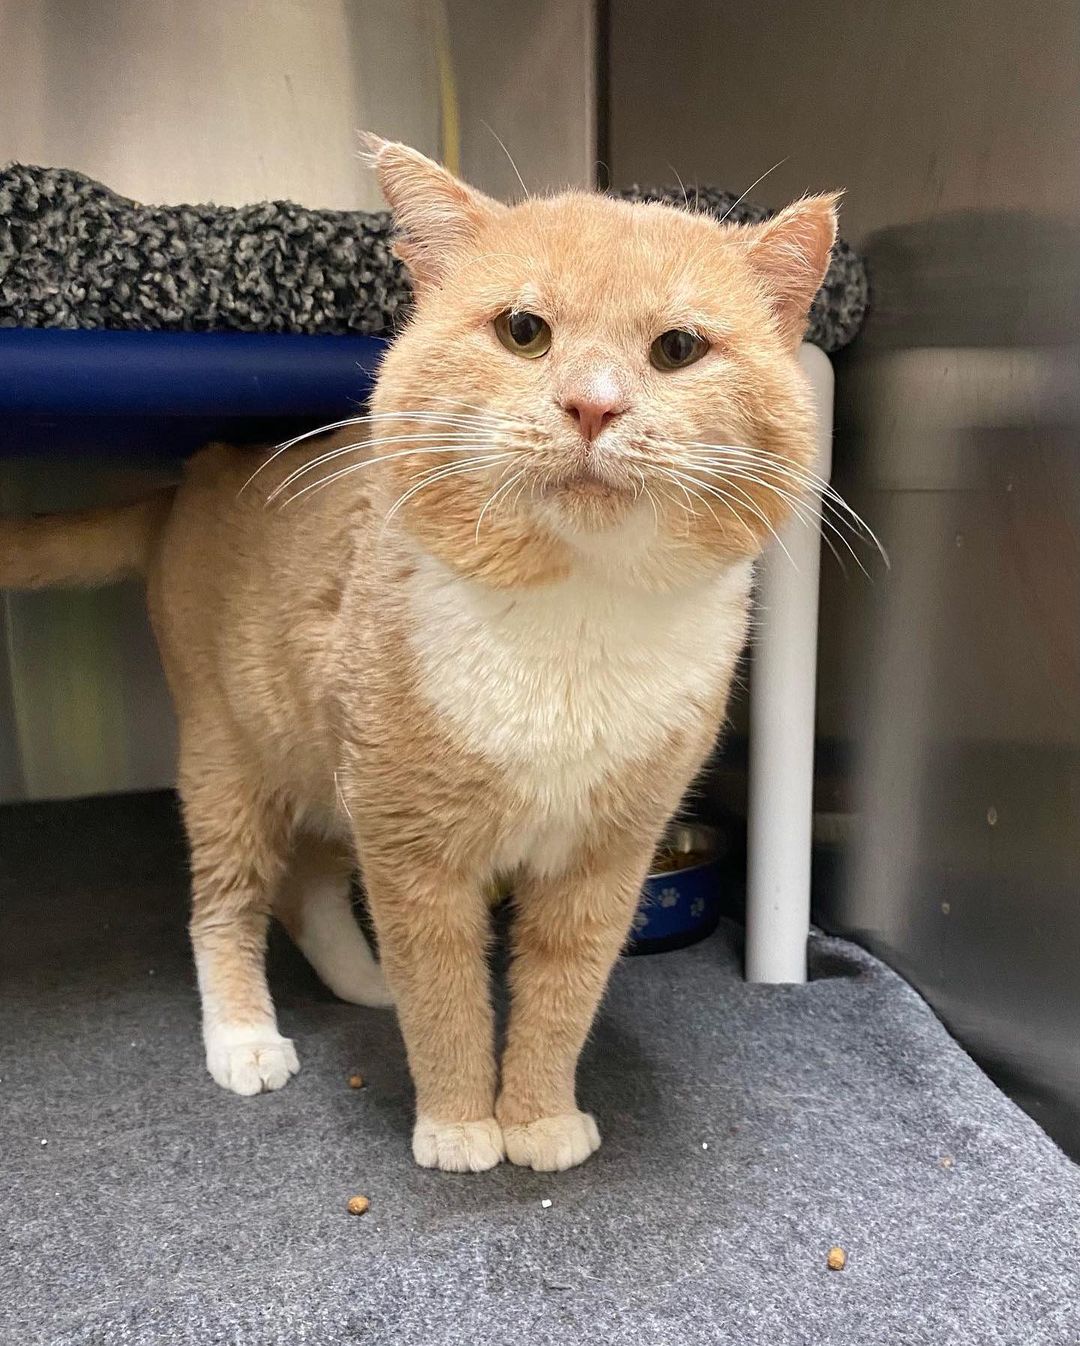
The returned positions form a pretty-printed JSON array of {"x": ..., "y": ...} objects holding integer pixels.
[{"x": 580, "y": 370}]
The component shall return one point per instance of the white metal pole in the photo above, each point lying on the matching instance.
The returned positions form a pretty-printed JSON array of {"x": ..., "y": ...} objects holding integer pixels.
[{"x": 782, "y": 700}]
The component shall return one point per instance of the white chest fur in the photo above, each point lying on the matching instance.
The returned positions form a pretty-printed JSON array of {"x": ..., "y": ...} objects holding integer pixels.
[{"x": 564, "y": 686}]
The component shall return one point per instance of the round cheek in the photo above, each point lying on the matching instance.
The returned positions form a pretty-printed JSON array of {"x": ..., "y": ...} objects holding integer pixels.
[
  {"x": 487, "y": 378},
  {"x": 680, "y": 400},
  {"x": 717, "y": 400}
]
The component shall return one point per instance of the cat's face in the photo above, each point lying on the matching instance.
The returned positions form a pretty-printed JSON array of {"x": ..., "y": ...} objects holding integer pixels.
[{"x": 584, "y": 366}]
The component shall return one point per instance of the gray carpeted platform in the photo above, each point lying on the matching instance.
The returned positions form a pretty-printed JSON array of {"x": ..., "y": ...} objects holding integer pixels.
[
  {"x": 163, "y": 1210},
  {"x": 75, "y": 254}
]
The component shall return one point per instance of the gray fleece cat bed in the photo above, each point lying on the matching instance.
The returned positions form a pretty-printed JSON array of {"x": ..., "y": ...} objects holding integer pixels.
[
  {"x": 747, "y": 1130},
  {"x": 75, "y": 254}
]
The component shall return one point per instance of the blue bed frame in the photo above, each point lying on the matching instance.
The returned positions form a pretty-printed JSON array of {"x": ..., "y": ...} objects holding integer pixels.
[{"x": 155, "y": 395}]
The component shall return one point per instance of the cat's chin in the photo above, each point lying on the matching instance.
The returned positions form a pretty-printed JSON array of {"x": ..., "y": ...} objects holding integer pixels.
[
  {"x": 587, "y": 502},
  {"x": 586, "y": 484}
]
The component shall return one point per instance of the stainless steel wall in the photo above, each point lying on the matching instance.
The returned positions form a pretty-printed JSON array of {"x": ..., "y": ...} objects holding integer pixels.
[{"x": 949, "y": 713}]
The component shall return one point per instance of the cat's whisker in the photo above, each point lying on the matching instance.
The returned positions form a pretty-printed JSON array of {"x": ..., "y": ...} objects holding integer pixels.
[
  {"x": 492, "y": 498},
  {"x": 652, "y": 502},
  {"x": 509, "y": 156},
  {"x": 507, "y": 501},
  {"x": 676, "y": 477},
  {"x": 691, "y": 490},
  {"x": 682, "y": 186},
  {"x": 369, "y": 462},
  {"x": 831, "y": 517},
  {"x": 453, "y": 421},
  {"x": 799, "y": 504},
  {"x": 735, "y": 205},
  {"x": 673, "y": 472},
  {"x": 804, "y": 511},
  {"x": 434, "y": 468},
  {"x": 429, "y": 442},
  {"x": 429, "y": 478},
  {"x": 669, "y": 474},
  {"x": 688, "y": 514},
  {"x": 526, "y": 485},
  {"x": 751, "y": 505},
  {"x": 724, "y": 453},
  {"x": 801, "y": 509},
  {"x": 440, "y": 474},
  {"x": 424, "y": 479},
  {"x": 369, "y": 417},
  {"x": 467, "y": 445},
  {"x": 803, "y": 477},
  {"x": 757, "y": 511},
  {"x": 696, "y": 494}
]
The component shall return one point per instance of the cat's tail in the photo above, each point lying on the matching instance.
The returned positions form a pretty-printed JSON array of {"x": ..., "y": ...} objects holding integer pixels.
[{"x": 88, "y": 547}]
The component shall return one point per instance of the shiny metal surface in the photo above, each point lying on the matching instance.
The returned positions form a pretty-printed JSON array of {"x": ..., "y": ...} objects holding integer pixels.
[
  {"x": 949, "y": 689},
  {"x": 958, "y": 683}
]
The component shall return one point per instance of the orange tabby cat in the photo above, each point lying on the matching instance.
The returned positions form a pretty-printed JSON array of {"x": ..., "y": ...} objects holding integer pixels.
[{"x": 487, "y": 630}]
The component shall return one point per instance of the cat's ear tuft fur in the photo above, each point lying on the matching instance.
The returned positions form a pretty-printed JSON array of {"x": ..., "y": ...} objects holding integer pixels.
[
  {"x": 790, "y": 254},
  {"x": 437, "y": 214}
]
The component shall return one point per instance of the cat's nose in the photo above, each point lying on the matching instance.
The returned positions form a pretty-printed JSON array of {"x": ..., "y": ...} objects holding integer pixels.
[{"x": 592, "y": 414}]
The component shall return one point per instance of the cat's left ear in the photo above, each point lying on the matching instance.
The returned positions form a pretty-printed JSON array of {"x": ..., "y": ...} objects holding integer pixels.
[
  {"x": 790, "y": 253},
  {"x": 437, "y": 214}
]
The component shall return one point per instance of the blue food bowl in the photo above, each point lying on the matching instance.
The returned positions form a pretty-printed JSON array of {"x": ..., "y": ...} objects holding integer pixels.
[{"x": 680, "y": 902}]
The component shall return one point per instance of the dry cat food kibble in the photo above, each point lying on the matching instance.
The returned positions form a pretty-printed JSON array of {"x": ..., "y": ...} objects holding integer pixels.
[
  {"x": 668, "y": 859},
  {"x": 837, "y": 1259},
  {"x": 358, "y": 1205},
  {"x": 356, "y": 1080}
]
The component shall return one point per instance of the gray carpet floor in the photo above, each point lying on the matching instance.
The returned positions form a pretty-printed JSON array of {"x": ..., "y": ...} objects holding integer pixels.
[{"x": 747, "y": 1129}]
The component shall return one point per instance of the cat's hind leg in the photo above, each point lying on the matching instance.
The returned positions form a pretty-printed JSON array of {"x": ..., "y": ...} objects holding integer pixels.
[
  {"x": 239, "y": 834},
  {"x": 314, "y": 903}
]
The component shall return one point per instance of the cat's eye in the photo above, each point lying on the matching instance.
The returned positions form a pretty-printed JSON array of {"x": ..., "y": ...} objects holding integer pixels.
[
  {"x": 677, "y": 348},
  {"x": 523, "y": 333}
]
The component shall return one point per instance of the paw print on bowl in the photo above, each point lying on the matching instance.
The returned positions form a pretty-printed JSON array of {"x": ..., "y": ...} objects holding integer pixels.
[
  {"x": 641, "y": 920},
  {"x": 669, "y": 897},
  {"x": 697, "y": 907}
]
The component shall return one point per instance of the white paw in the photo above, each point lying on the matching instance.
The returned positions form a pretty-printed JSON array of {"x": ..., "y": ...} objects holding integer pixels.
[
  {"x": 458, "y": 1147},
  {"x": 551, "y": 1144},
  {"x": 249, "y": 1060}
]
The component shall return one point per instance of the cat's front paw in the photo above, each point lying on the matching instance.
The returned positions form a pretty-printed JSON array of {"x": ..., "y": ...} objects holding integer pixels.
[
  {"x": 551, "y": 1144},
  {"x": 249, "y": 1060},
  {"x": 458, "y": 1147}
]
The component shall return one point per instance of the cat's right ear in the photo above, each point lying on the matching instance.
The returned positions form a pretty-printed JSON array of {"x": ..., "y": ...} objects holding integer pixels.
[{"x": 437, "y": 215}]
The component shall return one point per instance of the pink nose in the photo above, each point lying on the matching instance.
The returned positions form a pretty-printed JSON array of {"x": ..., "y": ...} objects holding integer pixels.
[{"x": 591, "y": 414}]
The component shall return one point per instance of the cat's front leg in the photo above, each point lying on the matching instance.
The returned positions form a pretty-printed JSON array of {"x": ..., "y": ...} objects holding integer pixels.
[
  {"x": 567, "y": 935},
  {"x": 434, "y": 930}
]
